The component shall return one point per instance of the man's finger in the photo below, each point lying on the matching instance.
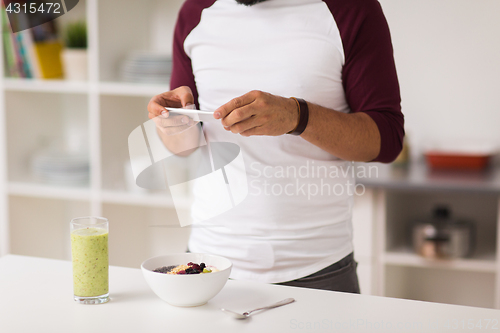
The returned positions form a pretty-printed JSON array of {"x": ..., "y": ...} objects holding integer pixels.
[
  {"x": 179, "y": 97},
  {"x": 245, "y": 125},
  {"x": 172, "y": 121},
  {"x": 238, "y": 115},
  {"x": 234, "y": 104},
  {"x": 185, "y": 95},
  {"x": 154, "y": 106}
]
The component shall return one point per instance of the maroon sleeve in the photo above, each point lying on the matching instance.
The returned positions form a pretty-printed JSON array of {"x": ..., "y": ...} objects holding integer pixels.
[
  {"x": 182, "y": 71},
  {"x": 369, "y": 73}
]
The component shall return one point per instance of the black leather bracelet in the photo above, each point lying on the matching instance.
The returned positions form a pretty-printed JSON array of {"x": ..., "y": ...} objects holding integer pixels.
[
  {"x": 303, "y": 117},
  {"x": 298, "y": 115}
]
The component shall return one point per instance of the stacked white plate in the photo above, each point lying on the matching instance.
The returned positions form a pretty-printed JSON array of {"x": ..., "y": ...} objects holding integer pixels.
[
  {"x": 147, "y": 67},
  {"x": 61, "y": 168}
]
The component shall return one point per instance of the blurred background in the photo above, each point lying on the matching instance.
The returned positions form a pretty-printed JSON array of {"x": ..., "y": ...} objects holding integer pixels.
[{"x": 426, "y": 227}]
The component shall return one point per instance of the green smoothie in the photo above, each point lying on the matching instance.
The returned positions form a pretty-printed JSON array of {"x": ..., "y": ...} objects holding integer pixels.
[{"x": 89, "y": 251}]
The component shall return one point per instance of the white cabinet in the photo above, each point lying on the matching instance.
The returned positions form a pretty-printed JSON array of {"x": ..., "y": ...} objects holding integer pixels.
[
  {"x": 364, "y": 242},
  {"x": 400, "y": 196},
  {"x": 103, "y": 110},
  {"x": 467, "y": 281}
]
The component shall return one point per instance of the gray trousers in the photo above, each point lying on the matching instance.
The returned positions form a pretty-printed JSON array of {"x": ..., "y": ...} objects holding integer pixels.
[{"x": 340, "y": 276}]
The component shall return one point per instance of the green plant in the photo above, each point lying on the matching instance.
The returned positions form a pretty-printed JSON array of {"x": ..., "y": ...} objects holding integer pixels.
[{"x": 76, "y": 35}]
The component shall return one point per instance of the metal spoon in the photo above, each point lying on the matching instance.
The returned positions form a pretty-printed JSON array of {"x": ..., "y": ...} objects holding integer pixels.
[{"x": 247, "y": 314}]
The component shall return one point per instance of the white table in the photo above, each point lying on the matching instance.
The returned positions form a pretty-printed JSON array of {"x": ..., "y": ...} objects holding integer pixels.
[{"x": 36, "y": 296}]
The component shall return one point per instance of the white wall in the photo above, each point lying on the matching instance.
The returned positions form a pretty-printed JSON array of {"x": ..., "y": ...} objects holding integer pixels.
[
  {"x": 163, "y": 24},
  {"x": 448, "y": 59}
]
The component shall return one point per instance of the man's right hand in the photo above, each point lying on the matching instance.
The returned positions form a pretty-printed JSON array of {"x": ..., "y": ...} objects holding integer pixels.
[{"x": 177, "y": 98}]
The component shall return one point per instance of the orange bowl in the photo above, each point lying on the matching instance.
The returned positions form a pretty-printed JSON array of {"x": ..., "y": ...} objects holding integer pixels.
[{"x": 440, "y": 160}]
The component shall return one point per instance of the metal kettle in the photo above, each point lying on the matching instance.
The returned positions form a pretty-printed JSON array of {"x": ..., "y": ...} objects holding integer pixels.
[{"x": 443, "y": 237}]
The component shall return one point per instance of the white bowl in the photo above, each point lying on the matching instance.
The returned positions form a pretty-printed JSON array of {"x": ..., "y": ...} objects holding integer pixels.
[{"x": 189, "y": 289}]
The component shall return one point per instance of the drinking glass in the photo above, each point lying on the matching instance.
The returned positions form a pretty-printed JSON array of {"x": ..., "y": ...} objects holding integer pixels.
[{"x": 89, "y": 254}]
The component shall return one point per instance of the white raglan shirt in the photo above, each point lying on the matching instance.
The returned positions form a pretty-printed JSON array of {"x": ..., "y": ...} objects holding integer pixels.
[{"x": 296, "y": 218}]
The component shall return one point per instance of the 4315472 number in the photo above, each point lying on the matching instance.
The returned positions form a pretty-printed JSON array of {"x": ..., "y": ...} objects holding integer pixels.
[{"x": 32, "y": 8}]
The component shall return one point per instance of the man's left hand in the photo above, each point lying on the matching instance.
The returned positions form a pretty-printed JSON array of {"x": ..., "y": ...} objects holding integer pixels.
[{"x": 258, "y": 113}]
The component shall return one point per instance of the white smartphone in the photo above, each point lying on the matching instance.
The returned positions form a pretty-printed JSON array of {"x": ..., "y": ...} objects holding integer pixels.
[{"x": 196, "y": 115}]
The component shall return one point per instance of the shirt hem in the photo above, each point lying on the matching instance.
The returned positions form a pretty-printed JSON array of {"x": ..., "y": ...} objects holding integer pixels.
[{"x": 285, "y": 277}]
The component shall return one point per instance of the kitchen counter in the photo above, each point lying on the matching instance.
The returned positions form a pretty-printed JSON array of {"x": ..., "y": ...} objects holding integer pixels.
[
  {"x": 36, "y": 296},
  {"x": 418, "y": 176}
]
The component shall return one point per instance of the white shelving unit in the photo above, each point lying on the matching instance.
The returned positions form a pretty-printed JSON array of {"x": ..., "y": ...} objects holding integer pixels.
[
  {"x": 63, "y": 86},
  {"x": 107, "y": 110},
  {"x": 406, "y": 257},
  {"x": 401, "y": 273}
]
